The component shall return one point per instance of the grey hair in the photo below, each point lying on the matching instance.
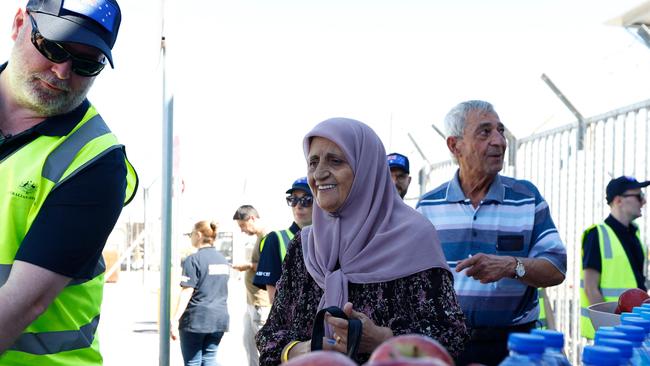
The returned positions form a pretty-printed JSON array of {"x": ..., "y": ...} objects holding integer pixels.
[{"x": 456, "y": 118}]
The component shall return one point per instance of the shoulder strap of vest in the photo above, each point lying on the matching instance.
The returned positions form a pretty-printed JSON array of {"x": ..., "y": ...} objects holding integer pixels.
[
  {"x": 60, "y": 159},
  {"x": 603, "y": 233},
  {"x": 286, "y": 235}
]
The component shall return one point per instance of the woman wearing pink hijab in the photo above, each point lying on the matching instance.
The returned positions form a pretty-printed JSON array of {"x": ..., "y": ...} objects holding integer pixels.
[{"x": 366, "y": 252}]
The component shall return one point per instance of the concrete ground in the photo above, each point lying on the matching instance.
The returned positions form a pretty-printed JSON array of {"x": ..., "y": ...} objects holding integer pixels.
[{"x": 128, "y": 328}]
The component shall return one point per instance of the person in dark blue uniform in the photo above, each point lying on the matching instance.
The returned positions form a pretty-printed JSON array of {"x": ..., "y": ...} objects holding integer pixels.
[
  {"x": 399, "y": 172},
  {"x": 274, "y": 246},
  {"x": 201, "y": 316}
]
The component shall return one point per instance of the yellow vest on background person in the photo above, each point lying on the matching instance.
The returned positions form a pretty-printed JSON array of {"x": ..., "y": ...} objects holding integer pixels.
[
  {"x": 542, "y": 312},
  {"x": 616, "y": 273},
  {"x": 66, "y": 333},
  {"x": 284, "y": 237}
]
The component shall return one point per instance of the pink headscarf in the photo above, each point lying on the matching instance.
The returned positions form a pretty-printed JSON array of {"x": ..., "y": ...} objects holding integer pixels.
[{"x": 374, "y": 236}]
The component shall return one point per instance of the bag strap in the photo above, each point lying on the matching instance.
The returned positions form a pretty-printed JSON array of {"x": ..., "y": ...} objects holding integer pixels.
[{"x": 318, "y": 331}]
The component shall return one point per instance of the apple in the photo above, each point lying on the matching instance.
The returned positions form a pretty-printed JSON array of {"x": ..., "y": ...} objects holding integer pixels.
[
  {"x": 321, "y": 358},
  {"x": 631, "y": 298},
  {"x": 409, "y": 362},
  {"x": 410, "y": 347},
  {"x": 617, "y": 310}
]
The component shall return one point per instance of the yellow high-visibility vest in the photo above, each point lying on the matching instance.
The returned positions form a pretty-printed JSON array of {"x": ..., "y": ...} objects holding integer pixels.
[
  {"x": 616, "y": 274},
  {"x": 66, "y": 333}
]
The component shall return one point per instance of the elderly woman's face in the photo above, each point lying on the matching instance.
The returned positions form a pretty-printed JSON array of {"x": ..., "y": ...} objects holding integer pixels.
[{"x": 329, "y": 174}]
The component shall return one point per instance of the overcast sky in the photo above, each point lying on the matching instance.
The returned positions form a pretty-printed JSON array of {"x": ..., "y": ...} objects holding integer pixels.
[{"x": 250, "y": 78}]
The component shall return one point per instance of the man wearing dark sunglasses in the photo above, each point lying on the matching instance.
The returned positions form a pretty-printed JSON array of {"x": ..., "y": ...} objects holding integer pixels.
[
  {"x": 612, "y": 252},
  {"x": 274, "y": 246},
  {"x": 65, "y": 179}
]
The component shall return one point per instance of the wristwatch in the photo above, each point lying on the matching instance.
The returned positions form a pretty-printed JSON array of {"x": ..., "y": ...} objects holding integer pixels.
[{"x": 520, "y": 271}]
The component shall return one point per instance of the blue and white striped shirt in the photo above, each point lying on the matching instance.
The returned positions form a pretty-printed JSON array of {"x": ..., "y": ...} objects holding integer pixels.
[{"x": 514, "y": 220}]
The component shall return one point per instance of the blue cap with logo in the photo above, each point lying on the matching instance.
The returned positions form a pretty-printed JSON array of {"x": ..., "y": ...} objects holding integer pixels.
[
  {"x": 93, "y": 23},
  {"x": 618, "y": 186},
  {"x": 300, "y": 184},
  {"x": 396, "y": 160}
]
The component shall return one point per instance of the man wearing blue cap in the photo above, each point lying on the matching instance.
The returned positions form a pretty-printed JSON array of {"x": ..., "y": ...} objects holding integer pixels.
[
  {"x": 65, "y": 179},
  {"x": 274, "y": 245},
  {"x": 612, "y": 252},
  {"x": 399, "y": 172}
]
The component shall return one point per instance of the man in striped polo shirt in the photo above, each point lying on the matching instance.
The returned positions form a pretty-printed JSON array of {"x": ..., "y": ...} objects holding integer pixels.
[{"x": 496, "y": 232}]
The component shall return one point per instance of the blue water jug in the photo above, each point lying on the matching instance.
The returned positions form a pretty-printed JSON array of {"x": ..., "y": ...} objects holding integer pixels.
[
  {"x": 553, "y": 343},
  {"x": 525, "y": 350}
]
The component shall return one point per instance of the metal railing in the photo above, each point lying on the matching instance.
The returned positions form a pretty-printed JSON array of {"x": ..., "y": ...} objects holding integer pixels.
[{"x": 573, "y": 183}]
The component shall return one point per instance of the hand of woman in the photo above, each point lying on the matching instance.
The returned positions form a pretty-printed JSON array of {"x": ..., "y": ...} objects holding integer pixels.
[
  {"x": 371, "y": 336},
  {"x": 173, "y": 330},
  {"x": 300, "y": 349}
]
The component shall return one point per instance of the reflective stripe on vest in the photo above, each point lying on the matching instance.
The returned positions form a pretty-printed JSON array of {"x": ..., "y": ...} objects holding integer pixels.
[
  {"x": 612, "y": 282},
  {"x": 61, "y": 158},
  {"x": 284, "y": 237},
  {"x": 47, "y": 343},
  {"x": 65, "y": 333}
]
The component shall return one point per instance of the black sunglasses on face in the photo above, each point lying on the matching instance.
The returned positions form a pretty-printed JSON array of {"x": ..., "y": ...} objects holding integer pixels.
[
  {"x": 305, "y": 201},
  {"x": 56, "y": 53},
  {"x": 639, "y": 196}
]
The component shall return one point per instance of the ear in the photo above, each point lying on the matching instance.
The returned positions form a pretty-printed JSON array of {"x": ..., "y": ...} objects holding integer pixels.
[
  {"x": 19, "y": 22},
  {"x": 452, "y": 145}
]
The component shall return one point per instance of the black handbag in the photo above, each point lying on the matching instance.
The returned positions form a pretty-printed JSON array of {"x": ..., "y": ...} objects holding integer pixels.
[{"x": 318, "y": 331}]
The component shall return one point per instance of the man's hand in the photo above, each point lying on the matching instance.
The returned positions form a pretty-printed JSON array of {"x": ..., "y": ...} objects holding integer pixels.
[
  {"x": 488, "y": 267},
  {"x": 241, "y": 267}
]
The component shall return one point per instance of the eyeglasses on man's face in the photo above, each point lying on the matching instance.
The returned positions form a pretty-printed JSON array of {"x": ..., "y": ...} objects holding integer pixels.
[
  {"x": 639, "y": 196},
  {"x": 56, "y": 53},
  {"x": 189, "y": 235},
  {"x": 304, "y": 201}
]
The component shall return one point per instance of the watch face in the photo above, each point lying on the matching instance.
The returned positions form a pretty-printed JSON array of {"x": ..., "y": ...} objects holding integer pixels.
[{"x": 520, "y": 269}]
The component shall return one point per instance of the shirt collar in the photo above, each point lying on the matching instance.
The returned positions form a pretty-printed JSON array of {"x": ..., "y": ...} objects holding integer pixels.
[
  {"x": 61, "y": 124},
  {"x": 455, "y": 193},
  {"x": 617, "y": 225},
  {"x": 294, "y": 228}
]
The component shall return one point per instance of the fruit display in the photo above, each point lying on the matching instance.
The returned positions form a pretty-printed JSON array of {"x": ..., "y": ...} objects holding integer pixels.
[
  {"x": 630, "y": 299},
  {"x": 403, "y": 350},
  {"x": 410, "y": 350}
]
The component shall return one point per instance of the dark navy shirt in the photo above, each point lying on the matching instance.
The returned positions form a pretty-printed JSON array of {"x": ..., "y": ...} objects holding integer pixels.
[
  {"x": 207, "y": 272},
  {"x": 269, "y": 268},
  {"x": 70, "y": 230},
  {"x": 631, "y": 245}
]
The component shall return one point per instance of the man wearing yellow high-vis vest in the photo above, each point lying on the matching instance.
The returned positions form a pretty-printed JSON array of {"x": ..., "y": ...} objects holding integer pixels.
[
  {"x": 274, "y": 245},
  {"x": 612, "y": 252},
  {"x": 64, "y": 180}
]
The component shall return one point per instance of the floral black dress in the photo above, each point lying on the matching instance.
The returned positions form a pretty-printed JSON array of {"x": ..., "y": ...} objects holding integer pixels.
[{"x": 423, "y": 303}]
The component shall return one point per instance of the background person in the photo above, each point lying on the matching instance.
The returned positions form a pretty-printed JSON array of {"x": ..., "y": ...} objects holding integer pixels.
[
  {"x": 366, "y": 252},
  {"x": 65, "y": 179},
  {"x": 201, "y": 315},
  {"x": 399, "y": 172},
  {"x": 274, "y": 246},
  {"x": 497, "y": 231},
  {"x": 612, "y": 252},
  {"x": 257, "y": 299}
]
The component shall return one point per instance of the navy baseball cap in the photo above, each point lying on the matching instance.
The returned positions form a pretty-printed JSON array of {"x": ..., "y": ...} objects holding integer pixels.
[
  {"x": 93, "y": 23},
  {"x": 396, "y": 160},
  {"x": 618, "y": 186},
  {"x": 300, "y": 184}
]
